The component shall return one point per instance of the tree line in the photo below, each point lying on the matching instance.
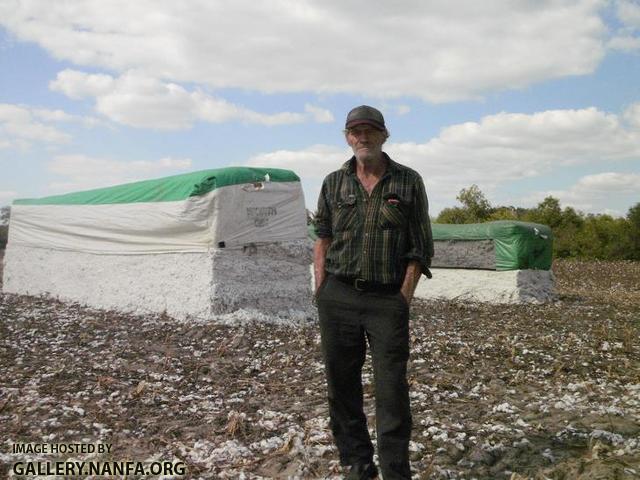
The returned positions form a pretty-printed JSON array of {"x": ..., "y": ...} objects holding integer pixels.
[
  {"x": 576, "y": 235},
  {"x": 4, "y": 225}
]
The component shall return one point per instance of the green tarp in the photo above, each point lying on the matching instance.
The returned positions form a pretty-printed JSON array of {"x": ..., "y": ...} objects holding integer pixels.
[
  {"x": 311, "y": 229},
  {"x": 168, "y": 189},
  {"x": 518, "y": 245}
]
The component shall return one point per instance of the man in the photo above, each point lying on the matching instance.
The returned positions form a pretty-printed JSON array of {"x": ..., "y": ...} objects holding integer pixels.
[{"x": 374, "y": 242}]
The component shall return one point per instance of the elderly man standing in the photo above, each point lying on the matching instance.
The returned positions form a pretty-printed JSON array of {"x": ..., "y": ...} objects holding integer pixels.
[{"x": 374, "y": 242}]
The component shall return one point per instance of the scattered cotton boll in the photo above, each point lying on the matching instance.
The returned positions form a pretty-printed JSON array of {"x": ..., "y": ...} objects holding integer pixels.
[
  {"x": 611, "y": 410},
  {"x": 521, "y": 423},
  {"x": 416, "y": 447},
  {"x": 440, "y": 437},
  {"x": 497, "y": 428},
  {"x": 548, "y": 455},
  {"x": 504, "y": 408},
  {"x": 573, "y": 387},
  {"x": 609, "y": 437},
  {"x": 267, "y": 445},
  {"x": 523, "y": 442},
  {"x": 568, "y": 402}
]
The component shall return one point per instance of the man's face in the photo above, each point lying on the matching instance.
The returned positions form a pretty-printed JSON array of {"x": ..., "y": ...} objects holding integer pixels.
[{"x": 366, "y": 142}]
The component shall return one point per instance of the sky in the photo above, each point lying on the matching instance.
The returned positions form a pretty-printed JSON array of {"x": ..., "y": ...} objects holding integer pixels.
[{"x": 524, "y": 99}]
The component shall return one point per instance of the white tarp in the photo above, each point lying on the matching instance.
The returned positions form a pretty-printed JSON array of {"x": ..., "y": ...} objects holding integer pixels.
[{"x": 235, "y": 215}]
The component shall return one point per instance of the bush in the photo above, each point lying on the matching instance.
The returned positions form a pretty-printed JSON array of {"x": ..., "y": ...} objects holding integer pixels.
[{"x": 4, "y": 233}]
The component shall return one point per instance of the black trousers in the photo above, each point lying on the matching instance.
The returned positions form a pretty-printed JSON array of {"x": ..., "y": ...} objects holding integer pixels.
[{"x": 348, "y": 318}]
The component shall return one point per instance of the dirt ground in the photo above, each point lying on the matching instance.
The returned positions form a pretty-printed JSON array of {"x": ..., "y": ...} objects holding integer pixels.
[{"x": 515, "y": 392}]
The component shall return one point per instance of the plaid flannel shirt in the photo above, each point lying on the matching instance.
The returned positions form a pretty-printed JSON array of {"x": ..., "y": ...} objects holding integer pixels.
[{"x": 374, "y": 236}]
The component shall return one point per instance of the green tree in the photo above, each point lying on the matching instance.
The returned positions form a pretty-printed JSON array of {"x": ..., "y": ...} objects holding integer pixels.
[
  {"x": 475, "y": 202},
  {"x": 566, "y": 225},
  {"x": 505, "y": 213},
  {"x": 475, "y": 208},
  {"x": 5, "y": 213},
  {"x": 548, "y": 212},
  {"x": 454, "y": 215},
  {"x": 566, "y": 233},
  {"x": 603, "y": 237},
  {"x": 633, "y": 218}
]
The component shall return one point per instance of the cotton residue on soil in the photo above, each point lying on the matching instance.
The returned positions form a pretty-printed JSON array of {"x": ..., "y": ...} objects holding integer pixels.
[{"x": 509, "y": 391}]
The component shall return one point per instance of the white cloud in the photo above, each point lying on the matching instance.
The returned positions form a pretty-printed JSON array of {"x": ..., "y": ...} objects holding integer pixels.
[
  {"x": 632, "y": 115},
  {"x": 604, "y": 183},
  {"x": 626, "y": 38},
  {"x": 61, "y": 116},
  {"x": 628, "y": 13},
  {"x": 507, "y": 147},
  {"x": 138, "y": 100},
  {"x": 498, "y": 149},
  {"x": 82, "y": 172},
  {"x": 19, "y": 128},
  {"x": 314, "y": 162},
  {"x": 437, "y": 51},
  {"x": 79, "y": 85},
  {"x": 591, "y": 192},
  {"x": 625, "y": 43},
  {"x": 320, "y": 115}
]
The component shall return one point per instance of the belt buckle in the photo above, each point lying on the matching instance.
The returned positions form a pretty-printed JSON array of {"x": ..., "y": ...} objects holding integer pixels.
[{"x": 356, "y": 283}]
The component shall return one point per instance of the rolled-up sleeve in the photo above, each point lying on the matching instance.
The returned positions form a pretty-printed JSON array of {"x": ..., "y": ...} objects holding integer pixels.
[
  {"x": 322, "y": 219},
  {"x": 420, "y": 237}
]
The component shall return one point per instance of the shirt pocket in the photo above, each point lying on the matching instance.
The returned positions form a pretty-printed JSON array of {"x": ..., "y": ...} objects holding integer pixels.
[
  {"x": 345, "y": 214},
  {"x": 394, "y": 213}
]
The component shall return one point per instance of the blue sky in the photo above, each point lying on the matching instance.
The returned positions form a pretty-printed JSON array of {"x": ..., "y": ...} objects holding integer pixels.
[{"x": 524, "y": 99}]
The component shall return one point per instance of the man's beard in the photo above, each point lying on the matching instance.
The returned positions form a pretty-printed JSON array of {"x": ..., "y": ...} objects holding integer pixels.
[{"x": 367, "y": 156}]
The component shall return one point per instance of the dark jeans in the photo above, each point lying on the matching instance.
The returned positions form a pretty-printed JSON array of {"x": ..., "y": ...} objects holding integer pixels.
[{"x": 347, "y": 318}]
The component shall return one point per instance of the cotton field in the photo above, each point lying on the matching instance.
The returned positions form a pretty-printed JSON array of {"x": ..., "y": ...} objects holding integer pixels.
[{"x": 498, "y": 392}]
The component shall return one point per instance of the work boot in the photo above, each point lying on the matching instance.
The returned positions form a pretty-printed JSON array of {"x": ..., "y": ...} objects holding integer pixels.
[{"x": 362, "y": 471}]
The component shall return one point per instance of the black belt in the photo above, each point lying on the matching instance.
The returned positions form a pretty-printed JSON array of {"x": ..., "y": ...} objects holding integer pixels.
[{"x": 363, "y": 285}]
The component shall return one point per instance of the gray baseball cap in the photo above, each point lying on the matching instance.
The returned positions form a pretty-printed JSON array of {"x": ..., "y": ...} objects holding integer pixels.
[{"x": 366, "y": 115}]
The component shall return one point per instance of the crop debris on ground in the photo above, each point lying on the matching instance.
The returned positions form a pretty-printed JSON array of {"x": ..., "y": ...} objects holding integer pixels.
[{"x": 498, "y": 391}]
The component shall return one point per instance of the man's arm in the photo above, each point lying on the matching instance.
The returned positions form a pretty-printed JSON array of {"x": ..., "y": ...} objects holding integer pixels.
[
  {"x": 420, "y": 238},
  {"x": 319, "y": 255},
  {"x": 411, "y": 278},
  {"x": 420, "y": 242},
  {"x": 322, "y": 223}
]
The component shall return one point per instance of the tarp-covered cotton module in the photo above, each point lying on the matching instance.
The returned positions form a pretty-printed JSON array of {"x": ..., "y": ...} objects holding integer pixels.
[
  {"x": 193, "y": 212},
  {"x": 518, "y": 245}
]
